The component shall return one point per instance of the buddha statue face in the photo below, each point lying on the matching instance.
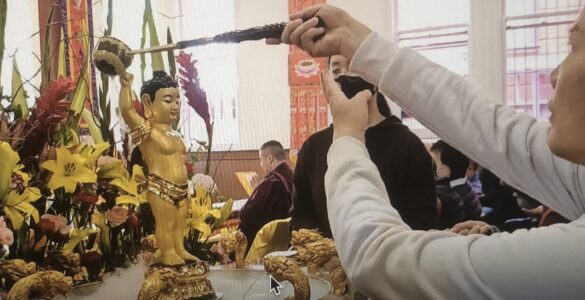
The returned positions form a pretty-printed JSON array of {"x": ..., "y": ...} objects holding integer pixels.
[
  {"x": 161, "y": 99},
  {"x": 166, "y": 105}
]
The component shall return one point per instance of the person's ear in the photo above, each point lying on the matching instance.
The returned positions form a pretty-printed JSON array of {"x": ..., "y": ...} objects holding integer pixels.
[{"x": 147, "y": 103}]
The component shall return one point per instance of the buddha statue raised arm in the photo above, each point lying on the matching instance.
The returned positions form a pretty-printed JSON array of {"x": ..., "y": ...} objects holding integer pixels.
[{"x": 163, "y": 151}]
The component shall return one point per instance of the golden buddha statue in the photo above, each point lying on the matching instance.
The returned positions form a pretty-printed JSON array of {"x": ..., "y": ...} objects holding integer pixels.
[{"x": 163, "y": 151}]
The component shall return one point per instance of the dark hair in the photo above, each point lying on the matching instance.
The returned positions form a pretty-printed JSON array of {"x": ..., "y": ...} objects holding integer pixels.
[
  {"x": 452, "y": 158},
  {"x": 160, "y": 80},
  {"x": 275, "y": 148},
  {"x": 383, "y": 106}
]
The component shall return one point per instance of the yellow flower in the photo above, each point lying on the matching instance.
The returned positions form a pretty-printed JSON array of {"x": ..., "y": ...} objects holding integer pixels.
[
  {"x": 99, "y": 219},
  {"x": 92, "y": 152},
  {"x": 8, "y": 161},
  {"x": 112, "y": 170},
  {"x": 131, "y": 188},
  {"x": 201, "y": 209},
  {"x": 68, "y": 170},
  {"x": 17, "y": 203},
  {"x": 25, "y": 177}
]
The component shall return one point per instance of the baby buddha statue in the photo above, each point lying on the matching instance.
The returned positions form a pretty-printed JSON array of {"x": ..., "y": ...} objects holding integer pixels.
[{"x": 163, "y": 151}]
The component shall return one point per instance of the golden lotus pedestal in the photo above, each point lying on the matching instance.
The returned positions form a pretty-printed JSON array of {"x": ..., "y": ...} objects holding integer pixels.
[{"x": 188, "y": 281}]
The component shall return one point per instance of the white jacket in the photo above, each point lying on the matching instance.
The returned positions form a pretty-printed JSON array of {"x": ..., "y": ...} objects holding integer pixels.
[{"x": 386, "y": 260}]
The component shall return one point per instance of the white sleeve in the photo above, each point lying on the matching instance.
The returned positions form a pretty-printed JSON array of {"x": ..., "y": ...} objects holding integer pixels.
[
  {"x": 384, "y": 259},
  {"x": 512, "y": 145}
]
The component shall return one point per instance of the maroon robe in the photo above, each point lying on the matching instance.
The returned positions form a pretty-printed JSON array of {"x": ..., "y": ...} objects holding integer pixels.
[{"x": 270, "y": 200}]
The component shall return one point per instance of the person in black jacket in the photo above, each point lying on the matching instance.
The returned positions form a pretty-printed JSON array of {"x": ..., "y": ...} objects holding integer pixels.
[
  {"x": 459, "y": 201},
  {"x": 403, "y": 162}
]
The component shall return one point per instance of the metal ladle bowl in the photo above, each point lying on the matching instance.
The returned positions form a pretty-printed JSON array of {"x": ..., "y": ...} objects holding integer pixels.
[{"x": 111, "y": 56}]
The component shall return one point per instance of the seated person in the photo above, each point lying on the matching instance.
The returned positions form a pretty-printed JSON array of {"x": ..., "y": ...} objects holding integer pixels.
[
  {"x": 499, "y": 197},
  {"x": 451, "y": 168},
  {"x": 271, "y": 199},
  {"x": 544, "y": 216},
  {"x": 399, "y": 155},
  {"x": 472, "y": 176}
]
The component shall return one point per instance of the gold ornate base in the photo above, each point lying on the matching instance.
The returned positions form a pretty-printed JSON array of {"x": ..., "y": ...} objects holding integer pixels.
[{"x": 187, "y": 281}]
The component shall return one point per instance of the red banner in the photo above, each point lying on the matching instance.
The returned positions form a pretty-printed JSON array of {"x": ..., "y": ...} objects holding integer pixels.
[
  {"x": 76, "y": 32},
  {"x": 308, "y": 107}
]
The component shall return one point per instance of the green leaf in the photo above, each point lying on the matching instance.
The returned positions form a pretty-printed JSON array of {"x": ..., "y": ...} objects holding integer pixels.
[
  {"x": 19, "y": 105},
  {"x": 46, "y": 73},
  {"x": 157, "y": 60},
  {"x": 76, "y": 236},
  {"x": 3, "y": 9},
  {"x": 148, "y": 20},
  {"x": 94, "y": 130},
  {"x": 143, "y": 42},
  {"x": 110, "y": 18},
  {"x": 61, "y": 64},
  {"x": 80, "y": 93},
  {"x": 171, "y": 55}
]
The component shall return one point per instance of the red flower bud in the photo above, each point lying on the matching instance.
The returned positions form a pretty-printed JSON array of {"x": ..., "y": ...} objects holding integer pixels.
[
  {"x": 92, "y": 261},
  {"x": 46, "y": 226},
  {"x": 90, "y": 199},
  {"x": 133, "y": 221}
]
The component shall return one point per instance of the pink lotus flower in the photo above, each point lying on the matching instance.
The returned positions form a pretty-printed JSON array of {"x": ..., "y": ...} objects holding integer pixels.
[
  {"x": 6, "y": 236},
  {"x": 117, "y": 215}
]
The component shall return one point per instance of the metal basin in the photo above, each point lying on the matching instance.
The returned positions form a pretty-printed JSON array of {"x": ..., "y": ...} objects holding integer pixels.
[
  {"x": 253, "y": 283},
  {"x": 230, "y": 284}
]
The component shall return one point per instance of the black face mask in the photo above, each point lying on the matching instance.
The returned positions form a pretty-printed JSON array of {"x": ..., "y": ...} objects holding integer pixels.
[{"x": 351, "y": 85}]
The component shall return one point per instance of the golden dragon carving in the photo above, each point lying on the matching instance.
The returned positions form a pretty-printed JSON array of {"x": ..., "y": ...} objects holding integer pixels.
[
  {"x": 16, "y": 269},
  {"x": 47, "y": 283},
  {"x": 161, "y": 284},
  {"x": 236, "y": 242},
  {"x": 314, "y": 250},
  {"x": 282, "y": 268}
]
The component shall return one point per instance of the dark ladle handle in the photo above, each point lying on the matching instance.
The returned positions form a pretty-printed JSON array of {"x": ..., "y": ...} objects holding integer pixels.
[{"x": 250, "y": 34}]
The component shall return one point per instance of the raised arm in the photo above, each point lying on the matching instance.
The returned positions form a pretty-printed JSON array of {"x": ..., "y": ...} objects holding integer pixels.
[
  {"x": 384, "y": 259},
  {"x": 129, "y": 114},
  {"x": 512, "y": 145}
]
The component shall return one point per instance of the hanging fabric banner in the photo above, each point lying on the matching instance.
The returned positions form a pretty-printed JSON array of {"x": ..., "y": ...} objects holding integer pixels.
[{"x": 308, "y": 108}]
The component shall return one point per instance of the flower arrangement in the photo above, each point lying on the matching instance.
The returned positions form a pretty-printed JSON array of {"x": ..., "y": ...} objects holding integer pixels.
[{"x": 73, "y": 205}]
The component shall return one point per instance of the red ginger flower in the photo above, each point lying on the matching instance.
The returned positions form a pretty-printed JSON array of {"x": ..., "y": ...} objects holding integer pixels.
[
  {"x": 50, "y": 105},
  {"x": 51, "y": 109},
  {"x": 196, "y": 97}
]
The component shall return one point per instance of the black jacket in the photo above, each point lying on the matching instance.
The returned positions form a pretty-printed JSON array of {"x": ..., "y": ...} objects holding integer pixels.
[{"x": 404, "y": 164}]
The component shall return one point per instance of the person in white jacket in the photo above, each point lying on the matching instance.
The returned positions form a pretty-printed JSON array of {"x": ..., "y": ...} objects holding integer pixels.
[{"x": 382, "y": 256}]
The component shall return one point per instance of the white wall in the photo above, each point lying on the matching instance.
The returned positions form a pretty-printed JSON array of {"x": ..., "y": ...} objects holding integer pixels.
[
  {"x": 263, "y": 99},
  {"x": 486, "y": 48},
  {"x": 19, "y": 45},
  {"x": 264, "y": 105}
]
